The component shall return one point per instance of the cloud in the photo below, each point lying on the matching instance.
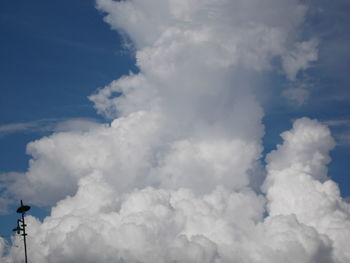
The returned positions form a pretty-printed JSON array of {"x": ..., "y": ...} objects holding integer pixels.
[
  {"x": 300, "y": 58},
  {"x": 176, "y": 175},
  {"x": 344, "y": 138},
  {"x": 341, "y": 130},
  {"x": 76, "y": 124},
  {"x": 48, "y": 125},
  {"x": 297, "y": 95},
  {"x": 31, "y": 126},
  {"x": 336, "y": 123},
  {"x": 297, "y": 184},
  {"x": 329, "y": 21}
]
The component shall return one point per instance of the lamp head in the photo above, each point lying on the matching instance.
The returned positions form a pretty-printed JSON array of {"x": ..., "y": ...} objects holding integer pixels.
[{"x": 22, "y": 209}]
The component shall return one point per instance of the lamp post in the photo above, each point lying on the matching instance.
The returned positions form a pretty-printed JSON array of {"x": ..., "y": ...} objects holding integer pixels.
[{"x": 22, "y": 210}]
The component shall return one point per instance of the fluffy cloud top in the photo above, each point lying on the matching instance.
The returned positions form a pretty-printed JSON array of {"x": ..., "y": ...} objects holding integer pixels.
[{"x": 176, "y": 175}]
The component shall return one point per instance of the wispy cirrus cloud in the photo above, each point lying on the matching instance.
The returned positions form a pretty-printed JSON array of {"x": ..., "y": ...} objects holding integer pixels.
[
  {"x": 48, "y": 125},
  {"x": 341, "y": 130},
  {"x": 337, "y": 123},
  {"x": 27, "y": 127}
]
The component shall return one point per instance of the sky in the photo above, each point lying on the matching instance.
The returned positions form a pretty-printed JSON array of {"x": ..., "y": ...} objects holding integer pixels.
[
  {"x": 175, "y": 131},
  {"x": 53, "y": 55}
]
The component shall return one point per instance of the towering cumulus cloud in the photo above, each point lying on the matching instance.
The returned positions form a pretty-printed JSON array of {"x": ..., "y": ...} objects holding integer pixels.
[{"x": 177, "y": 175}]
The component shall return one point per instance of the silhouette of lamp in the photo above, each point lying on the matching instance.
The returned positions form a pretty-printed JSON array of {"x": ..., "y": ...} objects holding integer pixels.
[{"x": 22, "y": 228}]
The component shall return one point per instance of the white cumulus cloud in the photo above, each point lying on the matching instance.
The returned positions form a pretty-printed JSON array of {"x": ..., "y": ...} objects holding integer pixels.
[{"x": 176, "y": 175}]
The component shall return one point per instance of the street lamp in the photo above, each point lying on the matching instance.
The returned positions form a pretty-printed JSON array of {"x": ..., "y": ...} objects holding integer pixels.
[{"x": 22, "y": 228}]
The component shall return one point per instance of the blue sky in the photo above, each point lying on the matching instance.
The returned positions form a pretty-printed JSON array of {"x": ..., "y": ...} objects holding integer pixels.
[{"x": 54, "y": 54}]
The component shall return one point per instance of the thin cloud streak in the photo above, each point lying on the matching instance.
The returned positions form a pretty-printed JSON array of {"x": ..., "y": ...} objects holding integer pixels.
[
  {"x": 337, "y": 123},
  {"x": 341, "y": 131},
  {"x": 48, "y": 126}
]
